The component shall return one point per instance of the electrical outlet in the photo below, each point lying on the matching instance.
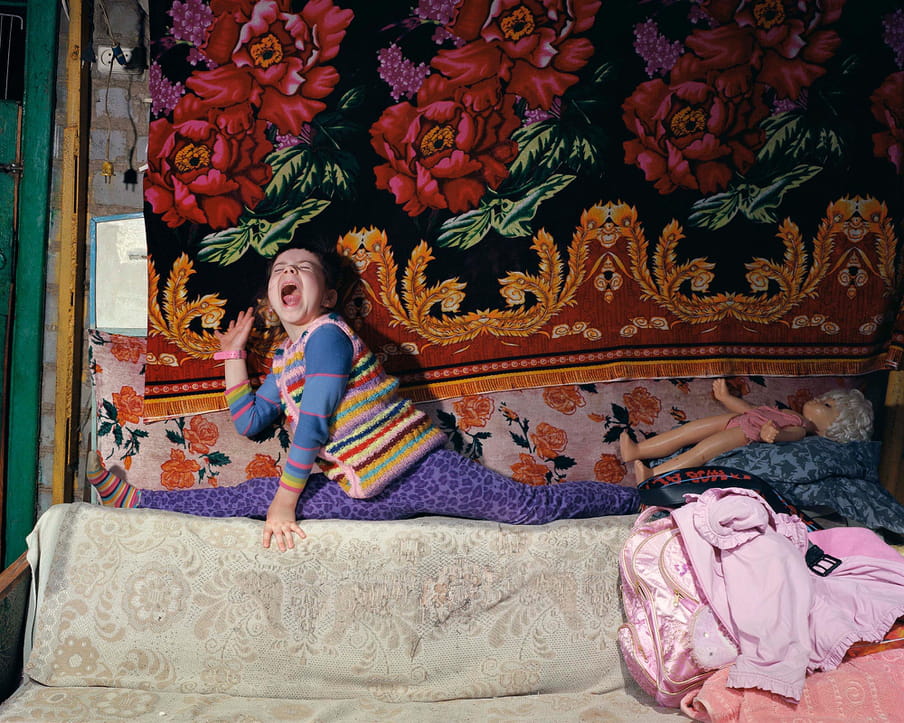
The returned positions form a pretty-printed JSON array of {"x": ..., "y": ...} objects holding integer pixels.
[{"x": 106, "y": 59}]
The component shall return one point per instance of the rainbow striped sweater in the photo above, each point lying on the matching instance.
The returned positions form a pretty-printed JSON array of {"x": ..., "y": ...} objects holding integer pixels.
[{"x": 372, "y": 434}]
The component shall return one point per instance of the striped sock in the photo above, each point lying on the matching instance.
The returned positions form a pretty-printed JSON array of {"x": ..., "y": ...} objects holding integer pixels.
[{"x": 113, "y": 491}]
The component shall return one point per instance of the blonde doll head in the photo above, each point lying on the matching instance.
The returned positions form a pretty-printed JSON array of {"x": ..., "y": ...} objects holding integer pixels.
[{"x": 854, "y": 421}]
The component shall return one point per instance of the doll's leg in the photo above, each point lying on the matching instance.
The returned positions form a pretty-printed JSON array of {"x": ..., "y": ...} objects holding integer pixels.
[
  {"x": 714, "y": 445},
  {"x": 445, "y": 483},
  {"x": 674, "y": 439}
]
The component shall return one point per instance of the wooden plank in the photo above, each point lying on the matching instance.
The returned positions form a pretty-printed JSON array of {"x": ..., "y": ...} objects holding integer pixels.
[
  {"x": 71, "y": 266},
  {"x": 891, "y": 467},
  {"x": 13, "y": 575}
]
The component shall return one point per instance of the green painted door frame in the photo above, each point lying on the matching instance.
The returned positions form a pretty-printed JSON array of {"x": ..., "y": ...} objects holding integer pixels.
[{"x": 26, "y": 356}]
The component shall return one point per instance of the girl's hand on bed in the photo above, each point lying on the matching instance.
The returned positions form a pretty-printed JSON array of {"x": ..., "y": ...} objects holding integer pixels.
[
  {"x": 282, "y": 534},
  {"x": 281, "y": 524}
]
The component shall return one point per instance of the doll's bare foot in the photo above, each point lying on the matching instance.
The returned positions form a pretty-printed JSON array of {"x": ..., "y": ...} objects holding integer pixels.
[
  {"x": 628, "y": 447},
  {"x": 641, "y": 472},
  {"x": 721, "y": 391}
]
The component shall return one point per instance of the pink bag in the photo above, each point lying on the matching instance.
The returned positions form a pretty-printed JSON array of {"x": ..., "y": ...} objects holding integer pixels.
[{"x": 671, "y": 641}]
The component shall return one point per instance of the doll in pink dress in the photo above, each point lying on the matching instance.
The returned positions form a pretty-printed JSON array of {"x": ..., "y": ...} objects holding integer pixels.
[{"x": 842, "y": 415}]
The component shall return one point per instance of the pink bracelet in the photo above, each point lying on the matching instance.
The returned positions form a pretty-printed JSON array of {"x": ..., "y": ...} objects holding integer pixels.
[{"x": 231, "y": 354}]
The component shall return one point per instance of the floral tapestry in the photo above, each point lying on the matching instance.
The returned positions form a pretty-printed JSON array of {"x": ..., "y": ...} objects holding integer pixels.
[{"x": 533, "y": 192}]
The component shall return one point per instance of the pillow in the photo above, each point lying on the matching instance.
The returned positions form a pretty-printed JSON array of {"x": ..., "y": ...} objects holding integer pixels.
[
  {"x": 808, "y": 460},
  {"x": 817, "y": 472}
]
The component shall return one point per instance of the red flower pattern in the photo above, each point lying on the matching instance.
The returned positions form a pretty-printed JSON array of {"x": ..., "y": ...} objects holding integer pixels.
[
  {"x": 273, "y": 58},
  {"x": 473, "y": 411},
  {"x": 888, "y": 108},
  {"x": 609, "y": 468},
  {"x": 128, "y": 348},
  {"x": 207, "y": 165},
  {"x": 643, "y": 407},
  {"x": 692, "y": 135},
  {"x": 201, "y": 435},
  {"x": 528, "y": 45},
  {"x": 129, "y": 405},
  {"x": 178, "y": 472},
  {"x": 784, "y": 42},
  {"x": 529, "y": 471},
  {"x": 263, "y": 465},
  {"x": 565, "y": 399},
  {"x": 797, "y": 400},
  {"x": 443, "y": 153},
  {"x": 549, "y": 441}
]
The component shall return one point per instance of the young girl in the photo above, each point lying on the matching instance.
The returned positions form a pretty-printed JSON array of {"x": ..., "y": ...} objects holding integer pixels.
[
  {"x": 380, "y": 457},
  {"x": 840, "y": 415}
]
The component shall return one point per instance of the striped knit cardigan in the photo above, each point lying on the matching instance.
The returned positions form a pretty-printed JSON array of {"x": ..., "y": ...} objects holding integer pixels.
[{"x": 375, "y": 434}]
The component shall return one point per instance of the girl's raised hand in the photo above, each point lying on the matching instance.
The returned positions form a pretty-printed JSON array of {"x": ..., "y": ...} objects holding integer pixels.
[{"x": 235, "y": 337}]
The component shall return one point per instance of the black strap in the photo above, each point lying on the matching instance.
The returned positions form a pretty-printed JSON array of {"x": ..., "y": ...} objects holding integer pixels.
[{"x": 668, "y": 489}]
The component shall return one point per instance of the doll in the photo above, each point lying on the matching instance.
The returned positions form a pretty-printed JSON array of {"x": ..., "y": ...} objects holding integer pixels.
[{"x": 840, "y": 415}]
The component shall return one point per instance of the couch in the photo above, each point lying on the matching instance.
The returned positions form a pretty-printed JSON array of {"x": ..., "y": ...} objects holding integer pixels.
[{"x": 148, "y": 615}]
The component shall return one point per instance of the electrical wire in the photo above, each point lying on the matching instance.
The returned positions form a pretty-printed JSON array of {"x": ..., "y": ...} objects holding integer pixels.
[
  {"x": 103, "y": 10},
  {"x": 130, "y": 176},
  {"x": 107, "y": 166}
]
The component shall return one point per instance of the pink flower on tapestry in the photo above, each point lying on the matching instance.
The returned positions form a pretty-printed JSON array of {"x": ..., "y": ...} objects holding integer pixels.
[
  {"x": 549, "y": 441},
  {"x": 473, "y": 411},
  {"x": 178, "y": 472},
  {"x": 786, "y": 44},
  {"x": 529, "y": 471},
  {"x": 273, "y": 57},
  {"x": 129, "y": 405},
  {"x": 443, "y": 153},
  {"x": 608, "y": 468},
  {"x": 527, "y": 48},
  {"x": 201, "y": 434},
  {"x": 207, "y": 165},
  {"x": 565, "y": 399},
  {"x": 888, "y": 108},
  {"x": 691, "y": 135},
  {"x": 127, "y": 348},
  {"x": 643, "y": 407}
]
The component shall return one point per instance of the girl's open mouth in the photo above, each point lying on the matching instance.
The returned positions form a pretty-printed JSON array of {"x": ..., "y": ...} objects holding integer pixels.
[{"x": 289, "y": 294}]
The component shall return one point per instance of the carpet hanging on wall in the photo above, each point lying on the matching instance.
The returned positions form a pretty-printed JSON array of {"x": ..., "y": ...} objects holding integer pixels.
[{"x": 533, "y": 192}]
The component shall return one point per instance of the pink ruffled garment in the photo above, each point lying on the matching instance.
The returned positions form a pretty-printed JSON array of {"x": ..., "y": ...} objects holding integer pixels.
[
  {"x": 752, "y": 421},
  {"x": 870, "y": 688},
  {"x": 785, "y": 620}
]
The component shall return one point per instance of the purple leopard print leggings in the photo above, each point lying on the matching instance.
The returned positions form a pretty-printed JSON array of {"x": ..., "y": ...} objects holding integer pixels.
[{"x": 443, "y": 483}]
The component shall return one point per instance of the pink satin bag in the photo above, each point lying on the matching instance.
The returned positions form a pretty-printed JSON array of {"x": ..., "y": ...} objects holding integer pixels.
[{"x": 671, "y": 641}]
